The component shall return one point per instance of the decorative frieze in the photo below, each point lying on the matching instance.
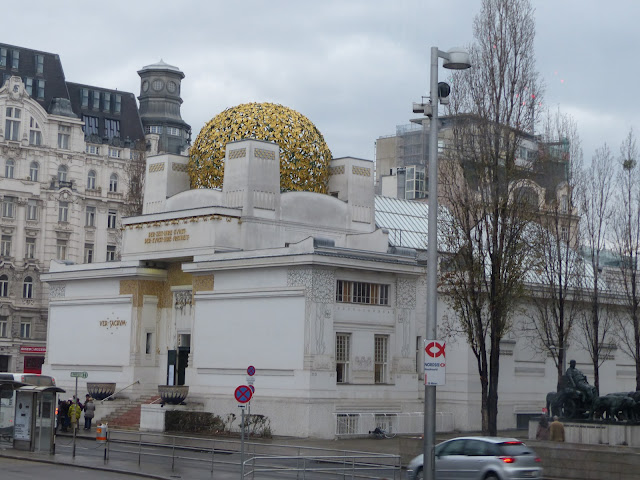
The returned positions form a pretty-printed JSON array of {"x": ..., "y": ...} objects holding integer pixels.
[
  {"x": 264, "y": 154},
  {"x": 57, "y": 290},
  {"x": 156, "y": 167},
  {"x": 237, "y": 153}
]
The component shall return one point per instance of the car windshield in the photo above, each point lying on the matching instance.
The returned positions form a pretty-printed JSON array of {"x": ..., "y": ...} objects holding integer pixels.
[{"x": 513, "y": 449}]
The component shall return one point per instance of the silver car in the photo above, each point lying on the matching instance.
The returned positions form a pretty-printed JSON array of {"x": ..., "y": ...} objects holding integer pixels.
[{"x": 481, "y": 458}]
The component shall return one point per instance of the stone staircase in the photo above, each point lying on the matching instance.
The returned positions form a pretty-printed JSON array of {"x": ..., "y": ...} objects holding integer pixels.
[{"x": 127, "y": 417}]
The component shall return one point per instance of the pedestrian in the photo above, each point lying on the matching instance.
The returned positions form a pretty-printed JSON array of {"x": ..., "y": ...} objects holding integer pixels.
[
  {"x": 89, "y": 412},
  {"x": 556, "y": 430},
  {"x": 74, "y": 414},
  {"x": 63, "y": 408},
  {"x": 64, "y": 414},
  {"x": 543, "y": 428}
]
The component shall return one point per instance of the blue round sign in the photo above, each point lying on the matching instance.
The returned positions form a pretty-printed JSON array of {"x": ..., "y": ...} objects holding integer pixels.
[
  {"x": 253, "y": 389},
  {"x": 251, "y": 371},
  {"x": 243, "y": 394}
]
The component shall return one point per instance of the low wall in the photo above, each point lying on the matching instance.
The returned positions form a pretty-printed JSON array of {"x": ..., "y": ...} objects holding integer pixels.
[
  {"x": 152, "y": 415},
  {"x": 596, "y": 433}
]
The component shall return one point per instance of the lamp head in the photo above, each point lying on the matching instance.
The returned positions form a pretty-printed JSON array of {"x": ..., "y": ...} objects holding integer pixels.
[{"x": 457, "y": 59}]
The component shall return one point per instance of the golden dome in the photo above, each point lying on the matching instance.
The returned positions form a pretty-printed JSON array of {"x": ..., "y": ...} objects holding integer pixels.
[{"x": 304, "y": 155}]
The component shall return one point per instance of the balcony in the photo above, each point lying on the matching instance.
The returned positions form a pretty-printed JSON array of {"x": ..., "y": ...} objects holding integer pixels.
[{"x": 60, "y": 184}]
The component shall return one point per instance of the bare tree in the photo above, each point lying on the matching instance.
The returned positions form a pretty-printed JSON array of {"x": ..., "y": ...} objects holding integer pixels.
[
  {"x": 135, "y": 171},
  {"x": 492, "y": 105},
  {"x": 595, "y": 199},
  {"x": 627, "y": 244},
  {"x": 559, "y": 267}
]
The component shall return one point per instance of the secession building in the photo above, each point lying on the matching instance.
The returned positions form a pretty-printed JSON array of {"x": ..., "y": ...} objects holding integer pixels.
[{"x": 65, "y": 149}]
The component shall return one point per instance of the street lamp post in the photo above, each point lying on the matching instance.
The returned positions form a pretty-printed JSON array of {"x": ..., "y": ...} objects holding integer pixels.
[{"x": 456, "y": 59}]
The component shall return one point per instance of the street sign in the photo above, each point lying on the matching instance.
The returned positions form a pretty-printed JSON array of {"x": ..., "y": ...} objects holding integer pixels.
[
  {"x": 79, "y": 374},
  {"x": 243, "y": 394},
  {"x": 250, "y": 380},
  {"x": 251, "y": 371},
  {"x": 253, "y": 389},
  {"x": 434, "y": 362}
]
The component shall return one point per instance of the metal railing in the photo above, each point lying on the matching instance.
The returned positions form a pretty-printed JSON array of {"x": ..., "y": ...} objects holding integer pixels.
[
  {"x": 259, "y": 459},
  {"x": 122, "y": 389},
  {"x": 361, "y": 423},
  {"x": 352, "y": 466}
]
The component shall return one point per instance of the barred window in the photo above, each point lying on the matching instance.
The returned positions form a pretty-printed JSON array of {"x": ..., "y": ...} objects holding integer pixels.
[
  {"x": 381, "y": 343},
  {"x": 343, "y": 341},
  {"x": 362, "y": 292}
]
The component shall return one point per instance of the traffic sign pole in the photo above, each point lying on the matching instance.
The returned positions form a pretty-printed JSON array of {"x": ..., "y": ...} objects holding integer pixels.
[{"x": 242, "y": 443}]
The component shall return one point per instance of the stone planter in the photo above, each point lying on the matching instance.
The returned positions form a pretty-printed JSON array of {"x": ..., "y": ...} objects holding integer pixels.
[
  {"x": 173, "y": 394},
  {"x": 100, "y": 391}
]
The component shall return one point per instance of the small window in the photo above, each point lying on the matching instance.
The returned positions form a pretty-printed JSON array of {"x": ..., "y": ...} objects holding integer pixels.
[
  {"x": 30, "y": 248},
  {"x": 63, "y": 212},
  {"x": 111, "y": 253},
  {"x": 28, "y": 85},
  {"x": 15, "y": 59},
  {"x": 84, "y": 97},
  {"x": 40, "y": 90},
  {"x": 90, "y": 220},
  {"x": 114, "y": 152},
  {"x": 91, "y": 180},
  {"x": 343, "y": 343},
  {"x": 27, "y": 288},
  {"x": 3, "y": 327},
  {"x": 61, "y": 249},
  {"x": 4, "y": 286},
  {"x": 106, "y": 101},
  {"x": 96, "y": 100},
  {"x": 90, "y": 125},
  {"x": 111, "y": 128},
  {"x": 113, "y": 183},
  {"x": 12, "y": 124},
  {"x": 93, "y": 149},
  {"x": 381, "y": 343},
  {"x": 33, "y": 171},
  {"x": 3, "y": 57},
  {"x": 117, "y": 106},
  {"x": 153, "y": 129},
  {"x": 32, "y": 209},
  {"x": 88, "y": 253},
  {"x": 112, "y": 217},
  {"x": 148, "y": 344},
  {"x": 62, "y": 173},
  {"x": 5, "y": 245},
  {"x": 25, "y": 329},
  {"x": 9, "y": 168},
  {"x": 8, "y": 207},
  {"x": 64, "y": 135}
]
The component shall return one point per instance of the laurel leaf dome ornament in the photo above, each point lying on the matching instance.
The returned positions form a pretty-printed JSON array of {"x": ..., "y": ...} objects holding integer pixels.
[{"x": 304, "y": 155}]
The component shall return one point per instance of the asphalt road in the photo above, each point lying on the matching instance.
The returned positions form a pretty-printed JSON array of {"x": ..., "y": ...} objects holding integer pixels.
[{"x": 26, "y": 470}]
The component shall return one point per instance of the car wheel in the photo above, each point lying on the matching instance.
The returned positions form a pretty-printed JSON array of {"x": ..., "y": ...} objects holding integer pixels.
[
  {"x": 491, "y": 476},
  {"x": 419, "y": 474}
]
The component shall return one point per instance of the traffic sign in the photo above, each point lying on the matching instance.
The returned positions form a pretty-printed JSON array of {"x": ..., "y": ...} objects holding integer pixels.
[
  {"x": 243, "y": 394},
  {"x": 253, "y": 389},
  {"x": 434, "y": 362},
  {"x": 79, "y": 374},
  {"x": 251, "y": 371}
]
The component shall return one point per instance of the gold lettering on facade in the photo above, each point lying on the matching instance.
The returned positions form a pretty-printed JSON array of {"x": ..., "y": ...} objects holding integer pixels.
[
  {"x": 174, "y": 235},
  {"x": 113, "y": 323}
]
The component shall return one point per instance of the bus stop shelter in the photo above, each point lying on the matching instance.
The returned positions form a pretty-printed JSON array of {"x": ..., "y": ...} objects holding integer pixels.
[{"x": 33, "y": 409}]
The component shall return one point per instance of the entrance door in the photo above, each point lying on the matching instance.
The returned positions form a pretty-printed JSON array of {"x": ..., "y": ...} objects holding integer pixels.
[
  {"x": 45, "y": 421},
  {"x": 183, "y": 363}
]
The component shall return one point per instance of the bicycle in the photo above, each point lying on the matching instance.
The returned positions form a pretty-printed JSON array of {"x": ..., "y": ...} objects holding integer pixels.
[{"x": 381, "y": 433}]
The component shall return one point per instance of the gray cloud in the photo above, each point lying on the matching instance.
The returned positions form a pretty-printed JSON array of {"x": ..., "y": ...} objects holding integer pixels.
[{"x": 352, "y": 67}]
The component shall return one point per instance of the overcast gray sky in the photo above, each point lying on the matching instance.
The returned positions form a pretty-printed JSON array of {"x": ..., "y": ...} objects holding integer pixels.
[{"x": 353, "y": 67}]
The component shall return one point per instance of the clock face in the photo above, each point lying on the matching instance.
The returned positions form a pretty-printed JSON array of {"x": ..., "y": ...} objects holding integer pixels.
[
  {"x": 145, "y": 86},
  {"x": 157, "y": 85},
  {"x": 172, "y": 87}
]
